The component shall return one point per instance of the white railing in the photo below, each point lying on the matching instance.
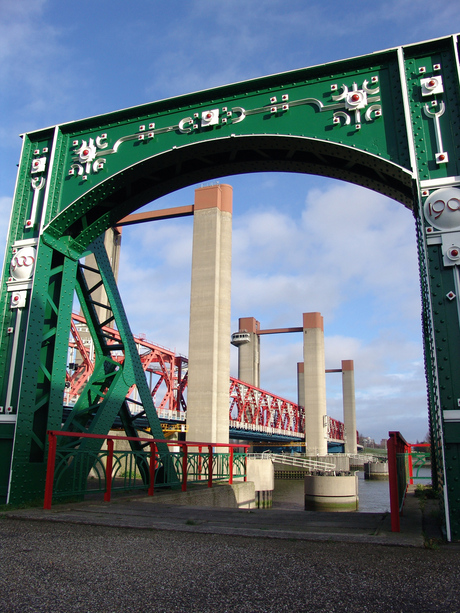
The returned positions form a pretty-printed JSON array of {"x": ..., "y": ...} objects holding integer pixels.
[
  {"x": 237, "y": 425},
  {"x": 290, "y": 460}
]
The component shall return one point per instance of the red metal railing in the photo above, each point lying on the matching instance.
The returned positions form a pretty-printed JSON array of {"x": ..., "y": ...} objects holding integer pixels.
[
  {"x": 400, "y": 473},
  {"x": 204, "y": 458}
]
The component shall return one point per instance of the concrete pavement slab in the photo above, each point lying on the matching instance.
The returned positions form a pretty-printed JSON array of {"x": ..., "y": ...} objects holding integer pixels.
[{"x": 145, "y": 513}]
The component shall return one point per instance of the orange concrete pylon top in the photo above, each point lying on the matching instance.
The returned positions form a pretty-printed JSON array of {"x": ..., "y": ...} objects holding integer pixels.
[
  {"x": 220, "y": 196},
  {"x": 249, "y": 324},
  {"x": 313, "y": 320},
  {"x": 347, "y": 365}
]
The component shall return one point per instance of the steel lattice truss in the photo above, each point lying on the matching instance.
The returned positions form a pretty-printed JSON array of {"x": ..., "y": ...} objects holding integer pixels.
[
  {"x": 251, "y": 408},
  {"x": 166, "y": 371},
  {"x": 255, "y": 409}
]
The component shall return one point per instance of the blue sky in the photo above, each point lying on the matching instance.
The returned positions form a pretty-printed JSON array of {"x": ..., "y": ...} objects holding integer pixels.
[{"x": 300, "y": 243}]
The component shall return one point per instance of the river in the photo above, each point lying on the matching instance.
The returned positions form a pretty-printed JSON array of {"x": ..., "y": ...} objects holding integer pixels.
[{"x": 374, "y": 496}]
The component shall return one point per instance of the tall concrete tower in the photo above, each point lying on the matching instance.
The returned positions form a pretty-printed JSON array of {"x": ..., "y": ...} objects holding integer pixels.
[
  {"x": 314, "y": 377},
  {"x": 349, "y": 406},
  {"x": 248, "y": 342},
  {"x": 209, "y": 347}
]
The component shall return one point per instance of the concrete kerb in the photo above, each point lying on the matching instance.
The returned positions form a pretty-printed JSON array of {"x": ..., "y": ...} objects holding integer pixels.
[{"x": 139, "y": 513}]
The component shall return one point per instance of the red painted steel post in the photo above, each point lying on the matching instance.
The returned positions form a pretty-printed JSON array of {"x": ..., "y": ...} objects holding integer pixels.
[
  {"x": 209, "y": 465},
  {"x": 200, "y": 462},
  {"x": 153, "y": 452},
  {"x": 230, "y": 480},
  {"x": 393, "y": 482},
  {"x": 411, "y": 469},
  {"x": 108, "y": 471},
  {"x": 184, "y": 466},
  {"x": 50, "y": 470}
]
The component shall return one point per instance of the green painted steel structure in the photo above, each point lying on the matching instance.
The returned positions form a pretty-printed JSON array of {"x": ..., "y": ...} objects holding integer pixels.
[{"x": 388, "y": 121}]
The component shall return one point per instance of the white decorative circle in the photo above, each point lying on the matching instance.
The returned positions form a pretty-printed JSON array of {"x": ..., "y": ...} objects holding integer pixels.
[
  {"x": 453, "y": 253},
  {"x": 442, "y": 208},
  {"x": 87, "y": 151},
  {"x": 22, "y": 264},
  {"x": 356, "y": 99},
  {"x": 432, "y": 83}
]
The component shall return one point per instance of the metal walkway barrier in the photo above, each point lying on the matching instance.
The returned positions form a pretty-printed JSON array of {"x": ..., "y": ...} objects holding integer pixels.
[{"x": 290, "y": 460}]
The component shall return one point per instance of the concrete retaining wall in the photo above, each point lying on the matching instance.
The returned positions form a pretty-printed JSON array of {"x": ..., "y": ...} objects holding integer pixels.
[
  {"x": 236, "y": 496},
  {"x": 261, "y": 472}
]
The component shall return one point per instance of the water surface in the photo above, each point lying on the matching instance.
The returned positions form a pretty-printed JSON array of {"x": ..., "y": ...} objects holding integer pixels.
[{"x": 374, "y": 496}]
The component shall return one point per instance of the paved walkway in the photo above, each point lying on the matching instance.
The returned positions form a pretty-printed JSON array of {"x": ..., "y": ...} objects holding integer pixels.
[
  {"x": 159, "y": 513},
  {"x": 134, "y": 555}
]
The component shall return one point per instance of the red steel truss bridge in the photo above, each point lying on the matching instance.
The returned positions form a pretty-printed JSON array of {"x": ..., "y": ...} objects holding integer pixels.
[{"x": 254, "y": 413}]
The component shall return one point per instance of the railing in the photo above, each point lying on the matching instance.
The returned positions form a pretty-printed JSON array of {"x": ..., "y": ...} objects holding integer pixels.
[
  {"x": 291, "y": 460},
  {"x": 72, "y": 471},
  {"x": 402, "y": 461},
  {"x": 300, "y": 462}
]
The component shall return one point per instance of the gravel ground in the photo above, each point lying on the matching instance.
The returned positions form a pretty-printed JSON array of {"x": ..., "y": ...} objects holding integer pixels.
[{"x": 64, "y": 568}]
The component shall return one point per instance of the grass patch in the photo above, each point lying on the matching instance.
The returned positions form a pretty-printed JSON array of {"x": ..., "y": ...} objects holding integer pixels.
[
  {"x": 425, "y": 492},
  {"x": 431, "y": 543}
]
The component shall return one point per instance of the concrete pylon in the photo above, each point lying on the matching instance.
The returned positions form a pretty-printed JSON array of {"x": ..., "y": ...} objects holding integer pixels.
[
  {"x": 314, "y": 384},
  {"x": 300, "y": 385},
  {"x": 248, "y": 342},
  {"x": 209, "y": 347},
  {"x": 349, "y": 406}
]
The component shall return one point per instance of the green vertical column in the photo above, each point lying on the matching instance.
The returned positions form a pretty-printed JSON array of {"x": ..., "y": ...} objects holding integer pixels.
[
  {"x": 32, "y": 188},
  {"x": 40, "y": 395},
  {"x": 433, "y": 94}
]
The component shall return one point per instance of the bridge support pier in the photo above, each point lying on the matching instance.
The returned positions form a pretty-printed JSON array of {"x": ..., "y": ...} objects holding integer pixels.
[
  {"x": 349, "y": 406},
  {"x": 209, "y": 347},
  {"x": 314, "y": 377}
]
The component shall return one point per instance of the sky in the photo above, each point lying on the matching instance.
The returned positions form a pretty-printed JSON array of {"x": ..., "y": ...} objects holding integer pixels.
[{"x": 300, "y": 243}]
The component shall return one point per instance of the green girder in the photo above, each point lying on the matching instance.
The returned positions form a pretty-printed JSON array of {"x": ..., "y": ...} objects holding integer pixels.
[{"x": 389, "y": 121}]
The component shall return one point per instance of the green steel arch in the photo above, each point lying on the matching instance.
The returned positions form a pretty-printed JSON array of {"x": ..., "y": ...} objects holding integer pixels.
[{"x": 388, "y": 121}]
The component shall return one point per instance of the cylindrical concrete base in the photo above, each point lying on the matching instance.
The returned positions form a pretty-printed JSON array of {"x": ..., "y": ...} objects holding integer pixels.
[
  {"x": 377, "y": 471},
  {"x": 331, "y": 493}
]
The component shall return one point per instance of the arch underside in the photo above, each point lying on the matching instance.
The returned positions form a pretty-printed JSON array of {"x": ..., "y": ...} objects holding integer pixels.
[{"x": 107, "y": 203}]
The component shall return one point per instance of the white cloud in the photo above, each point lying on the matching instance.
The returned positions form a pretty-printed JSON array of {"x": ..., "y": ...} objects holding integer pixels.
[
  {"x": 154, "y": 280},
  {"x": 348, "y": 253}
]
